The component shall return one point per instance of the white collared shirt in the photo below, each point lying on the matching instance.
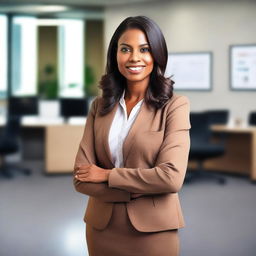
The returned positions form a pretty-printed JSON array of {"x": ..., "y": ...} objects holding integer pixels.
[{"x": 119, "y": 130}]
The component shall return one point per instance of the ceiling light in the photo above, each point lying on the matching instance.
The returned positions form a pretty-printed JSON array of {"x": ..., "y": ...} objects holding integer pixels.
[{"x": 34, "y": 8}]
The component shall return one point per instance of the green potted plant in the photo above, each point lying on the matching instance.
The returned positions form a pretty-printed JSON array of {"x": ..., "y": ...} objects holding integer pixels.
[
  {"x": 48, "y": 87},
  {"x": 90, "y": 89},
  {"x": 48, "y": 93}
]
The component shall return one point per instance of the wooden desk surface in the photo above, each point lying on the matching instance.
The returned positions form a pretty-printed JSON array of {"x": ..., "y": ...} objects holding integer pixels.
[
  {"x": 240, "y": 156},
  {"x": 233, "y": 129},
  {"x": 62, "y": 142}
]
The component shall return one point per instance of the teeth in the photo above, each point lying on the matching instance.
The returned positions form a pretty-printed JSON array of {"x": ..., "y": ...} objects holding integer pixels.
[{"x": 135, "y": 68}]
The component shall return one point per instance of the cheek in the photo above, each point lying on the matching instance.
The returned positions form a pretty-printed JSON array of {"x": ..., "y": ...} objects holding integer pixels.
[
  {"x": 149, "y": 60},
  {"x": 121, "y": 59}
]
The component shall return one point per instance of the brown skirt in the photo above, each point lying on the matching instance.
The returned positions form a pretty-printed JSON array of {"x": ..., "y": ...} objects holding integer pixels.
[{"x": 120, "y": 238}]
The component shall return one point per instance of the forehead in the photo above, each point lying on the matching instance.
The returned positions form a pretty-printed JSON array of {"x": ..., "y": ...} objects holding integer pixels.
[{"x": 133, "y": 36}]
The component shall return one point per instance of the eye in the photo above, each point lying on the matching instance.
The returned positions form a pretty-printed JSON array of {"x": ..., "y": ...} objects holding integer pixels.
[
  {"x": 124, "y": 49},
  {"x": 145, "y": 49}
]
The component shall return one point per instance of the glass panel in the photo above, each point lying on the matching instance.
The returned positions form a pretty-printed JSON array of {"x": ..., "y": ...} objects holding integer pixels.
[
  {"x": 71, "y": 58},
  {"x": 24, "y": 56},
  {"x": 3, "y": 56}
]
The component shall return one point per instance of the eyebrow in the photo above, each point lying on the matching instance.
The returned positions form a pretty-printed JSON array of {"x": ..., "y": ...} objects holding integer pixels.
[{"x": 130, "y": 45}]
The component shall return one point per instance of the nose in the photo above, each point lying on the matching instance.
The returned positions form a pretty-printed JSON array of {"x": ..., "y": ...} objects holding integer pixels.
[{"x": 135, "y": 56}]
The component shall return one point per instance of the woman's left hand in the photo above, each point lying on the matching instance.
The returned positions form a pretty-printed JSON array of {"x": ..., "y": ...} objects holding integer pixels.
[{"x": 91, "y": 173}]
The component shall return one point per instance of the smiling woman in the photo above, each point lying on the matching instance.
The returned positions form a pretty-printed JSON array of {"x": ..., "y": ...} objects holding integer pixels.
[
  {"x": 133, "y": 155},
  {"x": 136, "y": 43},
  {"x": 134, "y": 59}
]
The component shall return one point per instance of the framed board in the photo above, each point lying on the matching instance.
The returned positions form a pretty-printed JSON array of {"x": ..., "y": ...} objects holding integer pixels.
[
  {"x": 242, "y": 67},
  {"x": 190, "y": 71}
]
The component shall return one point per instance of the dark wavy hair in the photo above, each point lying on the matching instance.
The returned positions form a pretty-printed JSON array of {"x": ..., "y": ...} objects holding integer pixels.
[{"x": 113, "y": 83}]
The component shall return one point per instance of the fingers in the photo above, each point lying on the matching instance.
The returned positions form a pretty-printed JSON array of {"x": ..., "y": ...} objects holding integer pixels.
[
  {"x": 82, "y": 166},
  {"x": 84, "y": 177},
  {"x": 82, "y": 171},
  {"x": 79, "y": 173},
  {"x": 82, "y": 174}
]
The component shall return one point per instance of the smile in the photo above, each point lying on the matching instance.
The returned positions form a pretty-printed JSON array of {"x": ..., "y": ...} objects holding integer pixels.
[{"x": 135, "y": 70}]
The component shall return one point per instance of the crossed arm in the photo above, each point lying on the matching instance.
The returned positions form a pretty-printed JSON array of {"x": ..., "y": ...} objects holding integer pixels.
[
  {"x": 122, "y": 184},
  {"x": 88, "y": 178}
]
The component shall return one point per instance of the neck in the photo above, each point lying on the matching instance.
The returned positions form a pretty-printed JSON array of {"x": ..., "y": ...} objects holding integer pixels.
[{"x": 135, "y": 91}]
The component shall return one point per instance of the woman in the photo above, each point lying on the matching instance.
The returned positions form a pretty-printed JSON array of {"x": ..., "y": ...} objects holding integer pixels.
[{"x": 133, "y": 155}]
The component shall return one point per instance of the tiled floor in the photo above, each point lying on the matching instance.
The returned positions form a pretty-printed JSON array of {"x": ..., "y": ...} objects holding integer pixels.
[{"x": 42, "y": 215}]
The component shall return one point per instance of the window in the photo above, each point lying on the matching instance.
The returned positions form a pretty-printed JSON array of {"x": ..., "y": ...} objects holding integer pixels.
[
  {"x": 71, "y": 58},
  {"x": 24, "y": 56},
  {"x": 3, "y": 56},
  {"x": 70, "y": 55}
]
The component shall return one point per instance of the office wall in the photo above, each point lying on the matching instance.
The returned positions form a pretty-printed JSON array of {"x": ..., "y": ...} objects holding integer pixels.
[
  {"x": 94, "y": 49},
  {"x": 201, "y": 26},
  {"x": 47, "y": 49}
]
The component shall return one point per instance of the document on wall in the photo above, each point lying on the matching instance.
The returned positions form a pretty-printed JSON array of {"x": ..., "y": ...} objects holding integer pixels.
[{"x": 243, "y": 67}]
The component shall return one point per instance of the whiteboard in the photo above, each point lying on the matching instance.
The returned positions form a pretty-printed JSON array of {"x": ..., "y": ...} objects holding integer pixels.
[{"x": 190, "y": 71}]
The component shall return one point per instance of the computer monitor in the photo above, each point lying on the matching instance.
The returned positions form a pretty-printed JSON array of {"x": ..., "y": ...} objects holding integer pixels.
[
  {"x": 73, "y": 107},
  {"x": 22, "y": 106}
]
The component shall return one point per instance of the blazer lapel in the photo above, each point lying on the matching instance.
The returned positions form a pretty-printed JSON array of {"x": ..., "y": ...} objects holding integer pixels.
[
  {"x": 106, "y": 124},
  {"x": 139, "y": 124},
  {"x": 142, "y": 118}
]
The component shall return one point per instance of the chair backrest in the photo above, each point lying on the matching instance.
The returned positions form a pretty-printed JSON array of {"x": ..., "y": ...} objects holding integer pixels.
[
  {"x": 217, "y": 116},
  {"x": 221, "y": 117},
  {"x": 252, "y": 118},
  {"x": 12, "y": 127},
  {"x": 9, "y": 139},
  {"x": 200, "y": 131}
]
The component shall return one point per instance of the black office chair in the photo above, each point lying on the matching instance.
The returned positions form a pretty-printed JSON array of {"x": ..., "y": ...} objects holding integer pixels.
[
  {"x": 202, "y": 147},
  {"x": 252, "y": 118},
  {"x": 9, "y": 144},
  {"x": 217, "y": 116}
]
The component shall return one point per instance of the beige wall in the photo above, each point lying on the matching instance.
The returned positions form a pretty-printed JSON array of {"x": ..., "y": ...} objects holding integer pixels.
[
  {"x": 94, "y": 48},
  {"x": 47, "y": 49},
  {"x": 201, "y": 26}
]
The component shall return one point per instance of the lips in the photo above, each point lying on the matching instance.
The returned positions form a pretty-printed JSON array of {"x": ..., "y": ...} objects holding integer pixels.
[{"x": 135, "y": 69}]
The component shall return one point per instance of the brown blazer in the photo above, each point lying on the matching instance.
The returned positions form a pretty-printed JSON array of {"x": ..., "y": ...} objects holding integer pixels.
[{"x": 155, "y": 154}]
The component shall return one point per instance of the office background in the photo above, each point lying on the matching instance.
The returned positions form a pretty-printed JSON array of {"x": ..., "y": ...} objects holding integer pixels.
[
  {"x": 192, "y": 26},
  {"x": 41, "y": 214}
]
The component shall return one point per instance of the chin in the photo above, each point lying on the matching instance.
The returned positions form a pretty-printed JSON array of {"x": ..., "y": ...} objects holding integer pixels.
[{"x": 135, "y": 77}]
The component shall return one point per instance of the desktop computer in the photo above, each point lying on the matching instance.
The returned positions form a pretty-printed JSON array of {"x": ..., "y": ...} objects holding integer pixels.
[
  {"x": 73, "y": 107},
  {"x": 22, "y": 106}
]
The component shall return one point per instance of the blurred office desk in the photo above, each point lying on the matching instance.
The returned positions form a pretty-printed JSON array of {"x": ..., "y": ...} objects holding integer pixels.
[
  {"x": 53, "y": 140},
  {"x": 240, "y": 156},
  {"x": 61, "y": 145},
  {"x": 61, "y": 141}
]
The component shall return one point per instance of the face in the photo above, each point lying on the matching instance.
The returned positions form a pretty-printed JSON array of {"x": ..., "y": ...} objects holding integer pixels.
[{"x": 134, "y": 58}]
